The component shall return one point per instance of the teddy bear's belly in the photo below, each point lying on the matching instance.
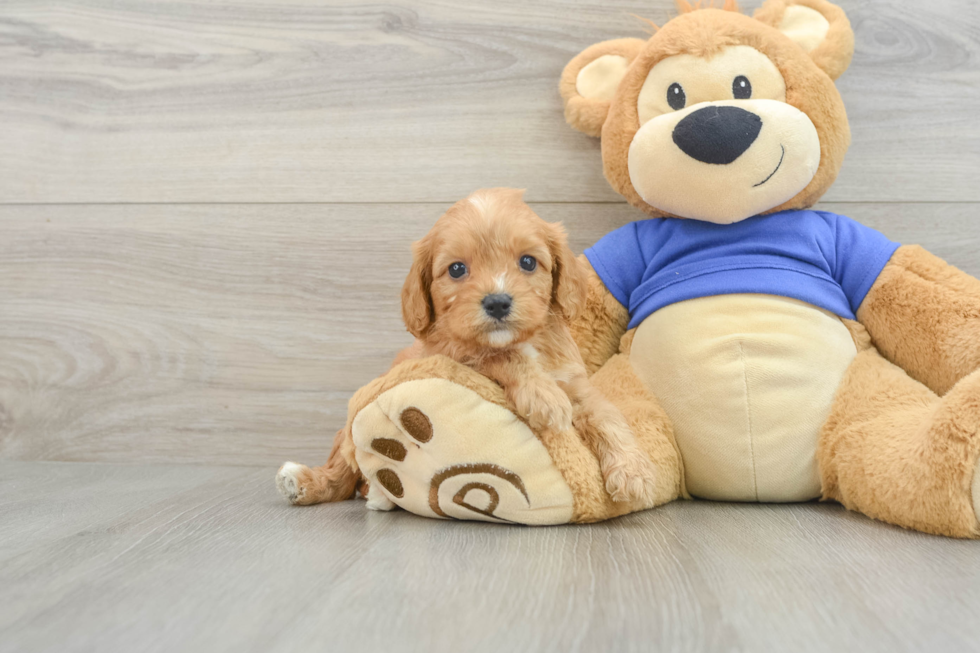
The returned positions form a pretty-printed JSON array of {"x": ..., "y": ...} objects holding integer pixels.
[{"x": 748, "y": 381}]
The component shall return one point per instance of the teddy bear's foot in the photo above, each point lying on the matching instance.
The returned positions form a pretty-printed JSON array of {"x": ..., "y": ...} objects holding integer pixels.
[
  {"x": 438, "y": 449},
  {"x": 896, "y": 451}
]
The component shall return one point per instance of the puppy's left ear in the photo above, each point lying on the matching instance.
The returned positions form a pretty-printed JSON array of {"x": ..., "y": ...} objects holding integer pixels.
[
  {"x": 569, "y": 283},
  {"x": 817, "y": 26}
]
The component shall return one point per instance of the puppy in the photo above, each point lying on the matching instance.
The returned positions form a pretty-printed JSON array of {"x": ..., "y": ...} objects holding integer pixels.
[{"x": 494, "y": 287}]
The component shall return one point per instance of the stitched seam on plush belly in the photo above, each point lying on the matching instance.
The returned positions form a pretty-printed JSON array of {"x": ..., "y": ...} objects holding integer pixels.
[{"x": 748, "y": 417}]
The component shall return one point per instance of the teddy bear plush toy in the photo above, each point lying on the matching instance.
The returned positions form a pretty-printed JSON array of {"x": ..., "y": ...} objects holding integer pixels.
[{"x": 761, "y": 350}]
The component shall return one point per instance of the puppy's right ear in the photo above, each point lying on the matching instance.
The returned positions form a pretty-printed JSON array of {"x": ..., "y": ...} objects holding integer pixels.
[
  {"x": 590, "y": 80},
  {"x": 418, "y": 311}
]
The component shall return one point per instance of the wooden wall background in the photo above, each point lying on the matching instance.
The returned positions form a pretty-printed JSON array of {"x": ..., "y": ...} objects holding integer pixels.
[{"x": 206, "y": 207}]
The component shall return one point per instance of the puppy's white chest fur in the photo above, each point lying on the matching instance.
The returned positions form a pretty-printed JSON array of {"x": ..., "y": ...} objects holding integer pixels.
[
  {"x": 559, "y": 375},
  {"x": 530, "y": 351}
]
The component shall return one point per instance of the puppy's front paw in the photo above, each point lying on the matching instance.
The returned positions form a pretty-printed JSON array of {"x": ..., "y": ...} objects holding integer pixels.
[
  {"x": 629, "y": 476},
  {"x": 291, "y": 480},
  {"x": 545, "y": 405}
]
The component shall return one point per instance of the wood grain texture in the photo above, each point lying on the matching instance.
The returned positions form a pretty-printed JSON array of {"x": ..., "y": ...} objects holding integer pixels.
[
  {"x": 190, "y": 558},
  {"x": 236, "y": 334},
  {"x": 421, "y": 100}
]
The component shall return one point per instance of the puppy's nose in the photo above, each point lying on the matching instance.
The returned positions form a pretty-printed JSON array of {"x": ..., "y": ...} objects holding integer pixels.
[
  {"x": 717, "y": 134},
  {"x": 497, "y": 306}
]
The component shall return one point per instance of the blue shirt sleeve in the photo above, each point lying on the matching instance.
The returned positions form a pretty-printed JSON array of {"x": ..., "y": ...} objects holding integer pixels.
[
  {"x": 619, "y": 262},
  {"x": 862, "y": 254}
]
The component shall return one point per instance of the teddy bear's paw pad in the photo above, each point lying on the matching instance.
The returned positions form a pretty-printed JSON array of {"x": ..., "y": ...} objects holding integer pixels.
[{"x": 440, "y": 450}]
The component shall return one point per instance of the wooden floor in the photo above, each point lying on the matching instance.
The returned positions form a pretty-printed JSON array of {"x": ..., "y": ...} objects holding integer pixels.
[
  {"x": 202, "y": 558},
  {"x": 205, "y": 212}
]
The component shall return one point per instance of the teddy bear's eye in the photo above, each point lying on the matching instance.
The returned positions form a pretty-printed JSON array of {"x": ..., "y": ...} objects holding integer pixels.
[
  {"x": 675, "y": 96},
  {"x": 528, "y": 263},
  {"x": 741, "y": 88},
  {"x": 457, "y": 269}
]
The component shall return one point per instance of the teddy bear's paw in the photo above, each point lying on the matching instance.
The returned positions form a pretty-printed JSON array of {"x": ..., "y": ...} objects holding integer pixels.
[
  {"x": 291, "y": 481},
  {"x": 438, "y": 449},
  {"x": 629, "y": 476}
]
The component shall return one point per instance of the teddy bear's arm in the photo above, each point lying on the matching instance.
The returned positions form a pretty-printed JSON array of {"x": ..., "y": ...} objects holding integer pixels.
[
  {"x": 924, "y": 315},
  {"x": 601, "y": 323}
]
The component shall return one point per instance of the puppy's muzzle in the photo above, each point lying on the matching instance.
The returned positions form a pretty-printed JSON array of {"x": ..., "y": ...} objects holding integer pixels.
[{"x": 497, "y": 306}]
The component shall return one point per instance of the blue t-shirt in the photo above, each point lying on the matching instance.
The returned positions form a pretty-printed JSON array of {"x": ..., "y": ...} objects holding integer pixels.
[{"x": 824, "y": 259}]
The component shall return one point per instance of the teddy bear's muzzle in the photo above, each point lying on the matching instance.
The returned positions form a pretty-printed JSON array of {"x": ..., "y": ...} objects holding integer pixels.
[{"x": 723, "y": 162}]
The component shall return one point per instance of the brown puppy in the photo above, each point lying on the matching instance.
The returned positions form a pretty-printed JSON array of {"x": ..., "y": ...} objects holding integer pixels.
[{"x": 493, "y": 286}]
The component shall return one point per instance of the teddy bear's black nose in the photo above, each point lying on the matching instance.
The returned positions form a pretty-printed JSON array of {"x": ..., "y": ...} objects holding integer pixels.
[
  {"x": 717, "y": 134},
  {"x": 497, "y": 306}
]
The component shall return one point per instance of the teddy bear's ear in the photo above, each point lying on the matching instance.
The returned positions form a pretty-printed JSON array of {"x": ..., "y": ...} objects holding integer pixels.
[
  {"x": 817, "y": 26},
  {"x": 590, "y": 80}
]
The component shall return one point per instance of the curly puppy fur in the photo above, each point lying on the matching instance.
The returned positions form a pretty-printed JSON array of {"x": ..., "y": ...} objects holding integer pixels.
[{"x": 497, "y": 247}]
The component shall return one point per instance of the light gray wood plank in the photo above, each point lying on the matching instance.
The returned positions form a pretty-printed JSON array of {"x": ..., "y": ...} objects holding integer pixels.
[
  {"x": 43, "y": 505},
  {"x": 421, "y": 100},
  {"x": 236, "y": 334},
  {"x": 226, "y": 565}
]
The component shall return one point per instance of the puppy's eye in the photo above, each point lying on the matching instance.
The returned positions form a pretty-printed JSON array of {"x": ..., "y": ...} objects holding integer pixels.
[
  {"x": 675, "y": 96},
  {"x": 528, "y": 263},
  {"x": 457, "y": 269},
  {"x": 741, "y": 88}
]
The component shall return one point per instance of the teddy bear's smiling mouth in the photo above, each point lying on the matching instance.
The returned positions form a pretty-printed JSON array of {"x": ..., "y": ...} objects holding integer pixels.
[{"x": 782, "y": 154}]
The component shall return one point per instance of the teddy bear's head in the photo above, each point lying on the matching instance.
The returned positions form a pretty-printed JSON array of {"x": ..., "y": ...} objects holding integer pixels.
[{"x": 719, "y": 116}]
